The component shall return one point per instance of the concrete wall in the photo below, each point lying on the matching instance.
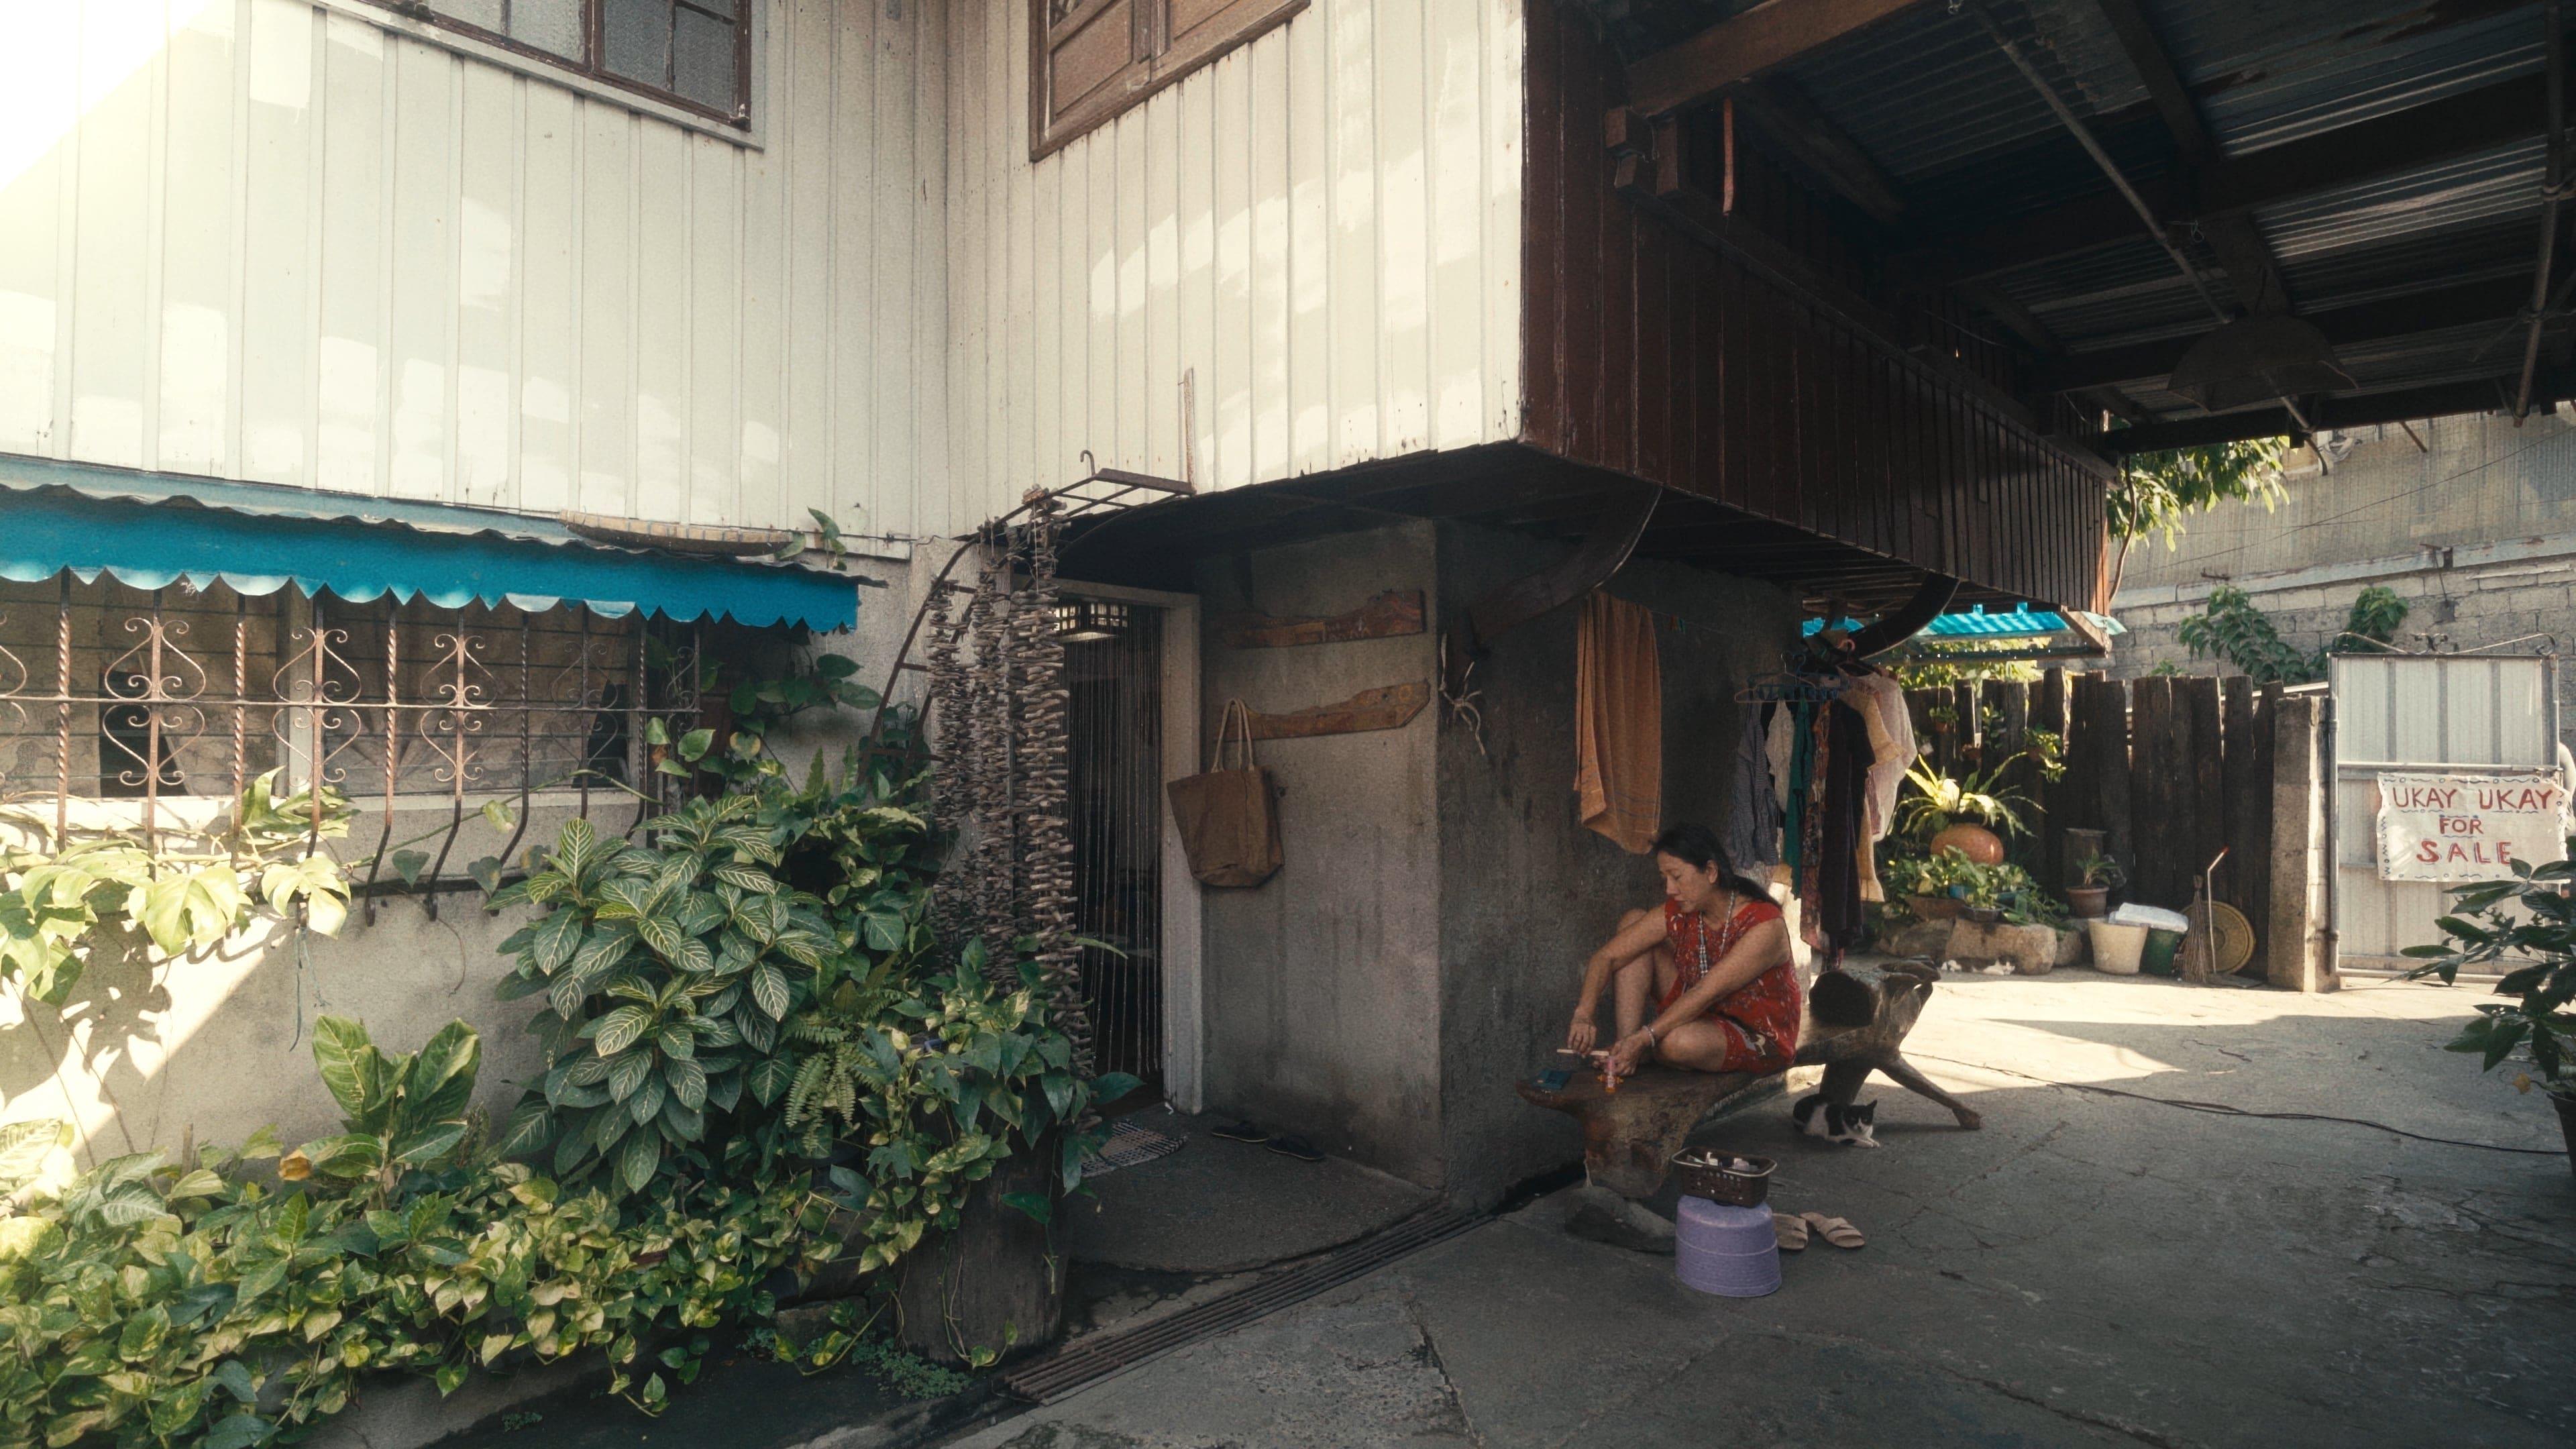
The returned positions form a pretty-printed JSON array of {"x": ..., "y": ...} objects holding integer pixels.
[
  {"x": 2478, "y": 536},
  {"x": 1526, "y": 892},
  {"x": 1321, "y": 986}
]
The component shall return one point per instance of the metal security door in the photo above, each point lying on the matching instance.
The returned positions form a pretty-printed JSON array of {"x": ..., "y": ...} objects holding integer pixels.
[
  {"x": 2462, "y": 714},
  {"x": 1113, "y": 664}
]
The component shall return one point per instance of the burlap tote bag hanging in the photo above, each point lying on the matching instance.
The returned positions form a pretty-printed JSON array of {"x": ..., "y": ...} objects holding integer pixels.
[{"x": 1229, "y": 818}]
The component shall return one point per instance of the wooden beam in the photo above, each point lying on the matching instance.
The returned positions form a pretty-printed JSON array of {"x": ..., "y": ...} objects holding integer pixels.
[
  {"x": 1770, "y": 34},
  {"x": 2164, "y": 87},
  {"x": 2496, "y": 299},
  {"x": 2390, "y": 145},
  {"x": 2484, "y": 395},
  {"x": 1793, "y": 126}
]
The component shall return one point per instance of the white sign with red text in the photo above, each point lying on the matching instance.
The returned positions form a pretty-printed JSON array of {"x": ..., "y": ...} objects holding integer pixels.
[{"x": 2461, "y": 828}]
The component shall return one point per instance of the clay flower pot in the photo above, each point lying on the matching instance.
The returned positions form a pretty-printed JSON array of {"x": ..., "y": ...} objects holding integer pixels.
[
  {"x": 1935, "y": 908},
  {"x": 2089, "y": 902},
  {"x": 1975, "y": 842}
]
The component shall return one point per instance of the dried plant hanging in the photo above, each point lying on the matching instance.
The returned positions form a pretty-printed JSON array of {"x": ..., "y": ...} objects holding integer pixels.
[{"x": 998, "y": 718}]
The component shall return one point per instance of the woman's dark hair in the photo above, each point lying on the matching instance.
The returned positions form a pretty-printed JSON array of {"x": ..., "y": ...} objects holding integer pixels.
[{"x": 1695, "y": 845}]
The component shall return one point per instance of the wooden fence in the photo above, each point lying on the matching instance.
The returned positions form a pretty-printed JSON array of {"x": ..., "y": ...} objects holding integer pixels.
[{"x": 2171, "y": 770}]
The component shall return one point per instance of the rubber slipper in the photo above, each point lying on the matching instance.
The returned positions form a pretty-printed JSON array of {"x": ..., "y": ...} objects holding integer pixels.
[
  {"x": 1296, "y": 1147},
  {"x": 1240, "y": 1132},
  {"x": 1791, "y": 1230},
  {"x": 1837, "y": 1231}
]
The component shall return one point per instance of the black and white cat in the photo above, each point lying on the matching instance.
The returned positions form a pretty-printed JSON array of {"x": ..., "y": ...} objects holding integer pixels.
[{"x": 1853, "y": 1126}]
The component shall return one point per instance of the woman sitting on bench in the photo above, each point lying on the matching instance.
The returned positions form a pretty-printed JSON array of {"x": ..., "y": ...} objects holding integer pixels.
[{"x": 1715, "y": 962}]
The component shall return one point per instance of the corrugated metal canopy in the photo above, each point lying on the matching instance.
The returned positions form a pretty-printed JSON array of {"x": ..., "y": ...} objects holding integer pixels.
[
  {"x": 153, "y": 530},
  {"x": 2376, "y": 150}
]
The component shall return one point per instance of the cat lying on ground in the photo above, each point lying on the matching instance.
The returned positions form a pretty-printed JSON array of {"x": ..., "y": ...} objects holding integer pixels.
[{"x": 1853, "y": 1126}]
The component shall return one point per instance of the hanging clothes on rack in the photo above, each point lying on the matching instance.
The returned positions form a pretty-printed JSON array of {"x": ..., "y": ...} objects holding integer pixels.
[
  {"x": 1887, "y": 773},
  {"x": 1619, "y": 722},
  {"x": 1753, "y": 817}
]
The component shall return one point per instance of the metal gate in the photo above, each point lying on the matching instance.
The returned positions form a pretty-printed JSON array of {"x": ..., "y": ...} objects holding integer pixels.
[
  {"x": 2465, "y": 714},
  {"x": 1113, "y": 652}
]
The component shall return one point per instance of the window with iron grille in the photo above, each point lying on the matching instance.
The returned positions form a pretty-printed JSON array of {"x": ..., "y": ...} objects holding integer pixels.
[
  {"x": 1091, "y": 59},
  {"x": 125, "y": 708},
  {"x": 694, "y": 54}
]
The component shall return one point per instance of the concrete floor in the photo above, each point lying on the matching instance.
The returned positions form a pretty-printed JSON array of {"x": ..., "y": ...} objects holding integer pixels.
[
  {"x": 1218, "y": 1206},
  {"x": 2086, "y": 1270}
]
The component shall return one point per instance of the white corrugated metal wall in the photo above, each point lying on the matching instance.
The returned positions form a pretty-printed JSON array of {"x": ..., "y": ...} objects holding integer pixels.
[
  {"x": 277, "y": 240},
  {"x": 1321, "y": 231},
  {"x": 2459, "y": 713}
]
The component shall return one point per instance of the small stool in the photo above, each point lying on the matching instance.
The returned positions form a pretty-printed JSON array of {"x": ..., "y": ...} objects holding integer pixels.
[{"x": 1729, "y": 1251}]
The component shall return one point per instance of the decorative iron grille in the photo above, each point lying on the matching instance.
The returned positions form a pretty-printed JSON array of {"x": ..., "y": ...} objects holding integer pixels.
[{"x": 110, "y": 694}]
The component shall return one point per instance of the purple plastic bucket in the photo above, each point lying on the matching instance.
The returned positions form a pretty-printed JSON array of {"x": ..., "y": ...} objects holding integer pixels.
[{"x": 1729, "y": 1251}]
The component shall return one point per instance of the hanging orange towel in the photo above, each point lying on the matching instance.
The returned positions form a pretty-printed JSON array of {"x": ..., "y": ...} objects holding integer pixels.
[{"x": 1619, "y": 722}]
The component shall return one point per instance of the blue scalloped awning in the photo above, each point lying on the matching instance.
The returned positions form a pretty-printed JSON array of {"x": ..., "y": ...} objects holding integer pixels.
[{"x": 149, "y": 531}]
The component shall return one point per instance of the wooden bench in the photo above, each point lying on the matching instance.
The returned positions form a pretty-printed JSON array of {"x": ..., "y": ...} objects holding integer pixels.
[{"x": 1630, "y": 1136}]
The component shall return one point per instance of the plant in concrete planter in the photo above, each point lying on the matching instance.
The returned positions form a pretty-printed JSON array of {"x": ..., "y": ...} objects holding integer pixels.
[{"x": 2527, "y": 925}]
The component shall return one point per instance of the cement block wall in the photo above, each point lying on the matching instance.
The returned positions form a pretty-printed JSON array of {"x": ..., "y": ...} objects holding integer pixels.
[
  {"x": 2478, "y": 536},
  {"x": 1320, "y": 987},
  {"x": 1527, "y": 893}
]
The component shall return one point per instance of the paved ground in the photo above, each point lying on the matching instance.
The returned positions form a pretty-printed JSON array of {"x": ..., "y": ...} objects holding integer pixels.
[
  {"x": 1218, "y": 1206},
  {"x": 2087, "y": 1270}
]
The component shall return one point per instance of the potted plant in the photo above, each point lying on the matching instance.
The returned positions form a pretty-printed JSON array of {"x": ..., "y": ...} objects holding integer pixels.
[
  {"x": 2091, "y": 896},
  {"x": 1961, "y": 814},
  {"x": 2528, "y": 926},
  {"x": 1929, "y": 884}
]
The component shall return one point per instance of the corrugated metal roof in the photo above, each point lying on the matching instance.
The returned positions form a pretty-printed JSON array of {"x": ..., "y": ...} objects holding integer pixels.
[{"x": 1968, "y": 143}]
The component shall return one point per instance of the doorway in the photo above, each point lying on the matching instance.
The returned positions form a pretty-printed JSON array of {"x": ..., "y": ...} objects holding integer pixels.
[{"x": 1132, "y": 725}]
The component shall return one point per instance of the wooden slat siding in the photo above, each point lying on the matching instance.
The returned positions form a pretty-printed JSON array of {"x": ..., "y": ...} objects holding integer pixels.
[
  {"x": 2204, "y": 745},
  {"x": 1581, "y": 294},
  {"x": 1543, "y": 245},
  {"x": 1663, "y": 373},
  {"x": 1623, "y": 361},
  {"x": 2249, "y": 800},
  {"x": 2009, "y": 700}
]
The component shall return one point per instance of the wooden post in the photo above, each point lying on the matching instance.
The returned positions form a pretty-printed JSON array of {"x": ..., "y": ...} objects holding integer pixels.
[
  {"x": 2154, "y": 803},
  {"x": 2048, "y": 712},
  {"x": 2197, "y": 714},
  {"x": 2110, "y": 764},
  {"x": 2293, "y": 958},
  {"x": 2247, "y": 791}
]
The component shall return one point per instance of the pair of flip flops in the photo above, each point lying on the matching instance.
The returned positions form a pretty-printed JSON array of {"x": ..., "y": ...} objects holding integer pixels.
[
  {"x": 1286, "y": 1146},
  {"x": 1793, "y": 1230}
]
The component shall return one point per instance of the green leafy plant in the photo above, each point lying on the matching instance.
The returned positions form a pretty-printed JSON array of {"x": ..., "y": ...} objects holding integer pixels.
[
  {"x": 403, "y": 1113},
  {"x": 2101, "y": 871},
  {"x": 2526, "y": 925},
  {"x": 60, "y": 899},
  {"x": 2230, "y": 627},
  {"x": 937, "y": 1079},
  {"x": 1939, "y": 801},
  {"x": 2045, "y": 749},
  {"x": 669, "y": 973},
  {"x": 2157, "y": 492},
  {"x": 153, "y": 1302}
]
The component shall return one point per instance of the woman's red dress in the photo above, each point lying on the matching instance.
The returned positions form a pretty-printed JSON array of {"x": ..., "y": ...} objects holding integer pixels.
[{"x": 1760, "y": 1018}]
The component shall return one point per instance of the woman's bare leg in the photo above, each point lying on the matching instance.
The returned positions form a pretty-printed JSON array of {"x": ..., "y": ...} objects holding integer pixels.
[{"x": 1637, "y": 984}]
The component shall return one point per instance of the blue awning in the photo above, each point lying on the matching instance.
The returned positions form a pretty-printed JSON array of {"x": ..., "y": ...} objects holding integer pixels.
[{"x": 149, "y": 531}]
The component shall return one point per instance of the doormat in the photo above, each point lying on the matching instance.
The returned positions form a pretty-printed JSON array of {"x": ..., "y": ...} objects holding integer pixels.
[
  {"x": 1084, "y": 1362},
  {"x": 1130, "y": 1143}
]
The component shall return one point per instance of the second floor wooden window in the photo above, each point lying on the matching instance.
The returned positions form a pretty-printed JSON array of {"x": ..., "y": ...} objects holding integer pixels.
[
  {"x": 1091, "y": 59},
  {"x": 695, "y": 54}
]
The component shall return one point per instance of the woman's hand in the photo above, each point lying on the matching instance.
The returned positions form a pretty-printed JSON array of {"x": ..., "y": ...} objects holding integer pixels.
[
  {"x": 1580, "y": 1036},
  {"x": 1630, "y": 1051}
]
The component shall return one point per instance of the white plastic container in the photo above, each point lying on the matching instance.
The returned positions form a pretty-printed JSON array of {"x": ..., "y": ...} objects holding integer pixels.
[{"x": 2116, "y": 946}]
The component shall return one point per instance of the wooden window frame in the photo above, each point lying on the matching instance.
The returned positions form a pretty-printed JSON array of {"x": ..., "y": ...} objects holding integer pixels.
[
  {"x": 591, "y": 65},
  {"x": 1155, "y": 62}
]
